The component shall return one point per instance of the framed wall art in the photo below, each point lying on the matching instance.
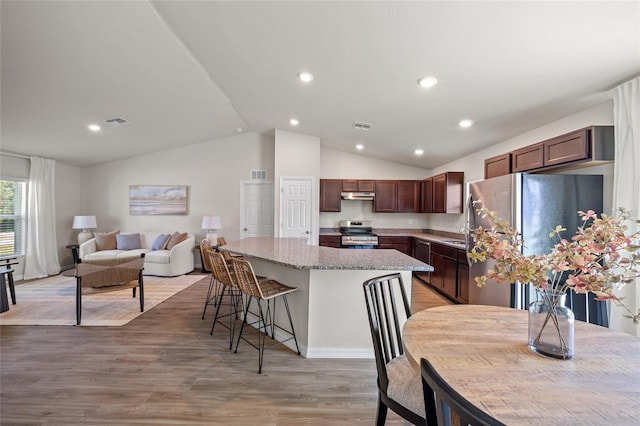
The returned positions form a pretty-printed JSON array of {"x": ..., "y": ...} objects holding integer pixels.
[{"x": 158, "y": 200}]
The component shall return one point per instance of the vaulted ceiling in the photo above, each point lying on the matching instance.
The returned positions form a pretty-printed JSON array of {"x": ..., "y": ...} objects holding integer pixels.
[{"x": 183, "y": 72}]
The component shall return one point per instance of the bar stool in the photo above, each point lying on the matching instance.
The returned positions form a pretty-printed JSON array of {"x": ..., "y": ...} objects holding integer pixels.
[
  {"x": 267, "y": 290},
  {"x": 214, "y": 288},
  {"x": 230, "y": 290}
]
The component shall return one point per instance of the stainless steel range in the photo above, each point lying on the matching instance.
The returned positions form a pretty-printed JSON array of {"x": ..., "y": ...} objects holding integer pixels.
[{"x": 357, "y": 234}]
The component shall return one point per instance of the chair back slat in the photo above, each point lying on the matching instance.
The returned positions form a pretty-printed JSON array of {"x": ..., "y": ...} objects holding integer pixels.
[
  {"x": 448, "y": 403},
  {"x": 387, "y": 313}
]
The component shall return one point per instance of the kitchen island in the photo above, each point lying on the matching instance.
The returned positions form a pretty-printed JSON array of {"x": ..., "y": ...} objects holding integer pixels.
[{"x": 329, "y": 312}]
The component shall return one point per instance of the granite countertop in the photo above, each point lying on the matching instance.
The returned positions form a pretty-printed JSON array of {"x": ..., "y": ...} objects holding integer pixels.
[{"x": 296, "y": 253}]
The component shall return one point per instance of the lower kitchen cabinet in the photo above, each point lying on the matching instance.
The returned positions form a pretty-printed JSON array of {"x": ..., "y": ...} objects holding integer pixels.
[
  {"x": 402, "y": 244},
  {"x": 450, "y": 274},
  {"x": 463, "y": 277},
  {"x": 329, "y": 241}
]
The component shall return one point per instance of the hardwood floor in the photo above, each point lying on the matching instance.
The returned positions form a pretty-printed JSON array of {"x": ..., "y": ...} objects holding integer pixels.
[{"x": 164, "y": 368}]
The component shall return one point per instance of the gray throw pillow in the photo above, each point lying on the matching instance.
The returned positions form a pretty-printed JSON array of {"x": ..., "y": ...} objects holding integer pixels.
[
  {"x": 160, "y": 242},
  {"x": 128, "y": 241}
]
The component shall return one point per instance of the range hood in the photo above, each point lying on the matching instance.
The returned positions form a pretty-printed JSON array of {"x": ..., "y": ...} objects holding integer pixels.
[{"x": 366, "y": 196}]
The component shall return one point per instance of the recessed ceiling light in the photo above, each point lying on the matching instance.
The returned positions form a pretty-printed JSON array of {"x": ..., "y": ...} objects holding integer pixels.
[
  {"x": 294, "y": 122},
  {"x": 305, "y": 76},
  {"x": 465, "y": 123},
  {"x": 238, "y": 129},
  {"x": 359, "y": 147},
  {"x": 94, "y": 127},
  {"x": 427, "y": 82},
  {"x": 418, "y": 152}
]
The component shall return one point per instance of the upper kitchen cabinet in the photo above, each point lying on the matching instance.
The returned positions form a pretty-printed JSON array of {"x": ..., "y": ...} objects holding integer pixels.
[
  {"x": 497, "y": 166},
  {"x": 397, "y": 196},
  {"x": 527, "y": 158},
  {"x": 352, "y": 185},
  {"x": 588, "y": 146},
  {"x": 443, "y": 193},
  {"x": 330, "y": 191},
  {"x": 386, "y": 196},
  {"x": 408, "y": 196}
]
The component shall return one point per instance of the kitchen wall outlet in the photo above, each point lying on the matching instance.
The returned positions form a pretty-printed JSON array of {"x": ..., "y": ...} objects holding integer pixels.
[{"x": 410, "y": 221}]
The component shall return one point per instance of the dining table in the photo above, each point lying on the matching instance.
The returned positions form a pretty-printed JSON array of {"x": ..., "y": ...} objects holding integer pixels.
[{"x": 482, "y": 352}]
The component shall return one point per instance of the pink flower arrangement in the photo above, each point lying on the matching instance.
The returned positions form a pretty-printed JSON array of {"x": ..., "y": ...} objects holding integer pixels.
[{"x": 598, "y": 258}]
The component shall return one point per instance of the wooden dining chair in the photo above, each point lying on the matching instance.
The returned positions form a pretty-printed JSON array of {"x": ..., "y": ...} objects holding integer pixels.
[
  {"x": 451, "y": 408},
  {"x": 399, "y": 386}
]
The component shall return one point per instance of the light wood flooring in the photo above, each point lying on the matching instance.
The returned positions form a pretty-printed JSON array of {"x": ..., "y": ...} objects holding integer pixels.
[{"x": 164, "y": 368}]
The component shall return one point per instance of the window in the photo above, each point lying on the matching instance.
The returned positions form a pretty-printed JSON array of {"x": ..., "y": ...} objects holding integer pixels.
[{"x": 12, "y": 216}]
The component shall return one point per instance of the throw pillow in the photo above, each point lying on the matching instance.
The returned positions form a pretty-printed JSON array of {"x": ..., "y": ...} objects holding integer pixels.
[
  {"x": 176, "y": 239},
  {"x": 106, "y": 241},
  {"x": 128, "y": 241},
  {"x": 160, "y": 242}
]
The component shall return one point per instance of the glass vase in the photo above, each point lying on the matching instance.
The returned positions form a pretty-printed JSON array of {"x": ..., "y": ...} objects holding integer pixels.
[{"x": 551, "y": 325}]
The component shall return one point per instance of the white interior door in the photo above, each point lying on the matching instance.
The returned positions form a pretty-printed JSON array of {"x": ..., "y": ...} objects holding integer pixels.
[
  {"x": 296, "y": 207},
  {"x": 256, "y": 209}
]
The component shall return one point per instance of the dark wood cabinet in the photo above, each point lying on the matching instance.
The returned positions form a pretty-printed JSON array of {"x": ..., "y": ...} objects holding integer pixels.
[
  {"x": 426, "y": 196},
  {"x": 408, "y": 196},
  {"x": 422, "y": 252},
  {"x": 386, "y": 196},
  {"x": 329, "y": 240},
  {"x": 330, "y": 190},
  {"x": 353, "y": 185},
  {"x": 591, "y": 144},
  {"x": 497, "y": 166},
  {"x": 450, "y": 274},
  {"x": 527, "y": 158},
  {"x": 566, "y": 148},
  {"x": 400, "y": 243},
  {"x": 445, "y": 264},
  {"x": 463, "y": 277},
  {"x": 447, "y": 192}
]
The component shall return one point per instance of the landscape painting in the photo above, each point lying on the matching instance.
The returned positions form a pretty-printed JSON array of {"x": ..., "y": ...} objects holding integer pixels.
[{"x": 157, "y": 200}]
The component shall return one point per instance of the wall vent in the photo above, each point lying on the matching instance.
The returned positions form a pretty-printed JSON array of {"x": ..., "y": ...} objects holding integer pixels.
[
  {"x": 117, "y": 121},
  {"x": 360, "y": 125},
  {"x": 258, "y": 175}
]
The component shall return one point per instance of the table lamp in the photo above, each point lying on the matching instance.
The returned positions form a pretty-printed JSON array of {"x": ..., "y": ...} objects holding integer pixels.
[
  {"x": 85, "y": 223},
  {"x": 211, "y": 224}
]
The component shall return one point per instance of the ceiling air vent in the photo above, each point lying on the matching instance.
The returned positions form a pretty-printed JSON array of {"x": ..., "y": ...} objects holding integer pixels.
[
  {"x": 258, "y": 175},
  {"x": 117, "y": 121},
  {"x": 360, "y": 125}
]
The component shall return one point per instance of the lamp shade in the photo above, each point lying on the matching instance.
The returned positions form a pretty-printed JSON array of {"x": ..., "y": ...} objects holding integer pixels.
[
  {"x": 211, "y": 222},
  {"x": 84, "y": 222}
]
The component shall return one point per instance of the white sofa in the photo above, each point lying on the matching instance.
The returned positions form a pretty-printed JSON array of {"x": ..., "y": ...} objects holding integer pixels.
[{"x": 165, "y": 263}]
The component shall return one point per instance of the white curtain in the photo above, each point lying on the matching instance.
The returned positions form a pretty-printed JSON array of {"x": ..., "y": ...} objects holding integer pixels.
[
  {"x": 41, "y": 258},
  {"x": 626, "y": 183}
]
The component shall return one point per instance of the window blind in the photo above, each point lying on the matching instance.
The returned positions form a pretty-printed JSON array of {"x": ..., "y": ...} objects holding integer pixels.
[{"x": 12, "y": 216}]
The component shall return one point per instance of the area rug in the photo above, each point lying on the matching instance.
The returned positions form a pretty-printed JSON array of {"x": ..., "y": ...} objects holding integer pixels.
[{"x": 52, "y": 301}]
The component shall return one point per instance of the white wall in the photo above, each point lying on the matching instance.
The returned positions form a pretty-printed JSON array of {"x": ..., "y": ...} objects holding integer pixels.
[
  {"x": 211, "y": 170},
  {"x": 297, "y": 155},
  {"x": 336, "y": 164}
]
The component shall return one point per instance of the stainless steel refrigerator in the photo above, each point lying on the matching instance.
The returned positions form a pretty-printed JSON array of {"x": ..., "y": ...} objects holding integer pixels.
[{"x": 535, "y": 204}]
